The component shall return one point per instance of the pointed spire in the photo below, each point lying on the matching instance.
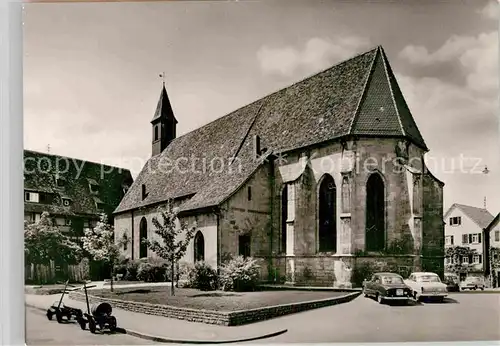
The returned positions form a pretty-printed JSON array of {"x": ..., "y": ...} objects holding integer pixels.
[{"x": 163, "y": 108}]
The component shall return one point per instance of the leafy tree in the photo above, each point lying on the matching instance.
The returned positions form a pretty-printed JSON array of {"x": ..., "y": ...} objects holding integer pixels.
[
  {"x": 171, "y": 249},
  {"x": 44, "y": 242},
  {"x": 456, "y": 253},
  {"x": 100, "y": 243},
  {"x": 494, "y": 263}
]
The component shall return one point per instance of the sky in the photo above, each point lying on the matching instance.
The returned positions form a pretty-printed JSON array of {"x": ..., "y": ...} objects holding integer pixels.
[{"x": 91, "y": 72}]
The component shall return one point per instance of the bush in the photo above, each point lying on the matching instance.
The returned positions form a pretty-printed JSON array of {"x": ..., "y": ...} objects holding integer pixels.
[
  {"x": 131, "y": 270},
  {"x": 361, "y": 272},
  {"x": 203, "y": 277},
  {"x": 121, "y": 267},
  {"x": 239, "y": 274},
  {"x": 153, "y": 271}
]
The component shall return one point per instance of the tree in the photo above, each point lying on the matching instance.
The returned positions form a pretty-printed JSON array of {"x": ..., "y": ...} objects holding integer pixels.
[
  {"x": 100, "y": 243},
  {"x": 494, "y": 264},
  {"x": 44, "y": 242},
  {"x": 456, "y": 253},
  {"x": 171, "y": 249}
]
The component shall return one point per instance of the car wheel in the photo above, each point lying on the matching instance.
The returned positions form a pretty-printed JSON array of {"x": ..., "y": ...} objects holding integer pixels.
[
  {"x": 482, "y": 288},
  {"x": 380, "y": 299}
]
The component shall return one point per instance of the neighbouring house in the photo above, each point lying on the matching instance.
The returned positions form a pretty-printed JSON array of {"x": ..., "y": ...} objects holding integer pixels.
[
  {"x": 492, "y": 255},
  {"x": 75, "y": 193},
  {"x": 317, "y": 181},
  {"x": 464, "y": 227}
]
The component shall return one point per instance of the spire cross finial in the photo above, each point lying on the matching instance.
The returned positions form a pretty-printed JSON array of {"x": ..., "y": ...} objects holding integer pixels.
[{"x": 162, "y": 76}]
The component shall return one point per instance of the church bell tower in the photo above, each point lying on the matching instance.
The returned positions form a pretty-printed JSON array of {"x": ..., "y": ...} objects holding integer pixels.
[{"x": 164, "y": 123}]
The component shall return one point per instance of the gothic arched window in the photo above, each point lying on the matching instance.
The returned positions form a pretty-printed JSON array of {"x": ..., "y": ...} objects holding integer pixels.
[
  {"x": 375, "y": 213},
  {"x": 327, "y": 215},
  {"x": 143, "y": 235},
  {"x": 199, "y": 247},
  {"x": 284, "y": 215}
]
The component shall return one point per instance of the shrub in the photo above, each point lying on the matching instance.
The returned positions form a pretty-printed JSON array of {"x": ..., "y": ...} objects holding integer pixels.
[
  {"x": 239, "y": 274},
  {"x": 203, "y": 277},
  {"x": 153, "y": 271},
  {"x": 132, "y": 267},
  {"x": 361, "y": 272}
]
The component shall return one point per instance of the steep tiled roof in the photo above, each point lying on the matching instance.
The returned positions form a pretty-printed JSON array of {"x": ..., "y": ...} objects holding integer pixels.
[
  {"x": 336, "y": 102},
  {"x": 41, "y": 170},
  {"x": 480, "y": 216}
]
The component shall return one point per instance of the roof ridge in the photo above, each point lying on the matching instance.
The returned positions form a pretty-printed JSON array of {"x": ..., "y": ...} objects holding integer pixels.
[
  {"x": 74, "y": 158},
  {"x": 365, "y": 89},
  {"x": 281, "y": 89}
]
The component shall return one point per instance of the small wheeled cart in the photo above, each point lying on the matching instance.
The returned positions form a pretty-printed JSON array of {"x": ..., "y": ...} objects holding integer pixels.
[
  {"x": 99, "y": 316},
  {"x": 60, "y": 310}
]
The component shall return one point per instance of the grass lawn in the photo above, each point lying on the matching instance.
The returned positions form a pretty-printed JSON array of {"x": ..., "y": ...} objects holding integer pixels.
[{"x": 214, "y": 300}]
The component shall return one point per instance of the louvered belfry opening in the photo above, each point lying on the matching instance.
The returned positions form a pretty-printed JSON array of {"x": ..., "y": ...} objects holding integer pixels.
[
  {"x": 327, "y": 215},
  {"x": 375, "y": 213}
]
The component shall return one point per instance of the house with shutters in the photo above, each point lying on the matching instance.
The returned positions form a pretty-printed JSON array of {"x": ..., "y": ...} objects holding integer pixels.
[
  {"x": 75, "y": 193},
  {"x": 315, "y": 180},
  {"x": 464, "y": 226}
]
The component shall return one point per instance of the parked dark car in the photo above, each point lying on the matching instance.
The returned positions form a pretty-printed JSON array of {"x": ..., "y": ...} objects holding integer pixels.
[
  {"x": 386, "y": 287},
  {"x": 452, "y": 282}
]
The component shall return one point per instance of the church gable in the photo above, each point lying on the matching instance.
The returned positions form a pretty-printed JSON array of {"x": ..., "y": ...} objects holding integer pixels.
[{"x": 383, "y": 110}]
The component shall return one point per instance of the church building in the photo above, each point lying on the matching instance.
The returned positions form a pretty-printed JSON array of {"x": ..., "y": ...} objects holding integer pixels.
[{"x": 322, "y": 181}]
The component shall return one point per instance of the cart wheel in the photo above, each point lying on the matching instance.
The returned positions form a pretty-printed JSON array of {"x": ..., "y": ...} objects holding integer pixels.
[
  {"x": 58, "y": 317},
  {"x": 92, "y": 326},
  {"x": 49, "y": 315},
  {"x": 112, "y": 323}
]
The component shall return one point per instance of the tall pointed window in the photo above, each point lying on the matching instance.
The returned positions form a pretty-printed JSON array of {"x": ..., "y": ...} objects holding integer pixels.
[
  {"x": 375, "y": 213},
  {"x": 284, "y": 215},
  {"x": 327, "y": 215},
  {"x": 199, "y": 247},
  {"x": 143, "y": 235}
]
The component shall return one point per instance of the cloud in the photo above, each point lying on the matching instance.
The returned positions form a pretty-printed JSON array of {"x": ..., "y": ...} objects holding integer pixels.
[
  {"x": 490, "y": 10},
  {"x": 477, "y": 55},
  {"x": 317, "y": 54}
]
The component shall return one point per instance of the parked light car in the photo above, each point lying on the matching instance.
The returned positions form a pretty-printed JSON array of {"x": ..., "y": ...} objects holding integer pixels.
[
  {"x": 387, "y": 287},
  {"x": 427, "y": 285},
  {"x": 472, "y": 283},
  {"x": 452, "y": 282}
]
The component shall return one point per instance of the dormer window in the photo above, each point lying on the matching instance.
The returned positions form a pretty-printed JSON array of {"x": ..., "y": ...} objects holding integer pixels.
[
  {"x": 60, "y": 181},
  {"x": 144, "y": 192},
  {"x": 99, "y": 204},
  {"x": 33, "y": 197},
  {"x": 93, "y": 186}
]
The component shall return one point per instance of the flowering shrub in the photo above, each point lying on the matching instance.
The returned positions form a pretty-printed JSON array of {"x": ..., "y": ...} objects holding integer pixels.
[
  {"x": 202, "y": 277},
  {"x": 153, "y": 271},
  {"x": 239, "y": 274}
]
